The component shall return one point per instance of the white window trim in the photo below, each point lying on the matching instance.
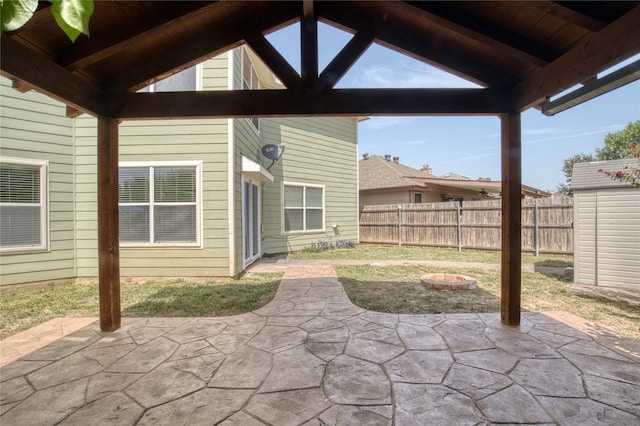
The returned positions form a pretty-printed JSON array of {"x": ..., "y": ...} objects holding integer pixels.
[
  {"x": 282, "y": 209},
  {"x": 44, "y": 205},
  {"x": 244, "y": 55},
  {"x": 199, "y": 222}
]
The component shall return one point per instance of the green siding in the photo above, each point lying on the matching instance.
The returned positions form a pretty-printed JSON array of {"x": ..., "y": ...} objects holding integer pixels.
[
  {"x": 319, "y": 151},
  {"x": 167, "y": 140},
  {"x": 33, "y": 126}
]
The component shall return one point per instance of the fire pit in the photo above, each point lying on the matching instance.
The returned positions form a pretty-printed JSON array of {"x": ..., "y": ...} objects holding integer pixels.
[{"x": 441, "y": 281}]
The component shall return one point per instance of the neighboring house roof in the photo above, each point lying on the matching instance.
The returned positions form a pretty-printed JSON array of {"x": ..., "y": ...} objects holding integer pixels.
[
  {"x": 377, "y": 173},
  {"x": 586, "y": 175}
]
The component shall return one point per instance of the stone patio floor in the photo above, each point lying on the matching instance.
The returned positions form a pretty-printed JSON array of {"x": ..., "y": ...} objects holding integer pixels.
[{"x": 310, "y": 357}]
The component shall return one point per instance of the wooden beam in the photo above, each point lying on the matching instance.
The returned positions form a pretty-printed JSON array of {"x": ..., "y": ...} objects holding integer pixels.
[
  {"x": 593, "y": 89},
  {"x": 591, "y": 55},
  {"x": 511, "y": 266},
  {"x": 274, "y": 60},
  {"x": 217, "y": 37},
  {"x": 108, "y": 225},
  {"x": 412, "y": 41},
  {"x": 300, "y": 102},
  {"x": 437, "y": 13},
  {"x": 88, "y": 51},
  {"x": 308, "y": 45},
  {"x": 18, "y": 62},
  {"x": 569, "y": 14},
  {"x": 343, "y": 61}
]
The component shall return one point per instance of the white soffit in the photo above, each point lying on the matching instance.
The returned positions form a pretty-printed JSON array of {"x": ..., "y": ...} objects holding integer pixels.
[{"x": 255, "y": 171}]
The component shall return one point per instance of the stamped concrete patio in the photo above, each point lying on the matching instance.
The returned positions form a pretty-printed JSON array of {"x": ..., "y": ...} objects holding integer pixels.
[{"x": 311, "y": 357}]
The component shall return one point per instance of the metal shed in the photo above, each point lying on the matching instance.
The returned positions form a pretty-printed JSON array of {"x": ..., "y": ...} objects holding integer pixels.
[{"x": 606, "y": 227}]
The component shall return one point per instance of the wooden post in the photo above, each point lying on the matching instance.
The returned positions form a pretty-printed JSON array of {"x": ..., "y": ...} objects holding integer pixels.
[
  {"x": 108, "y": 225},
  {"x": 511, "y": 218}
]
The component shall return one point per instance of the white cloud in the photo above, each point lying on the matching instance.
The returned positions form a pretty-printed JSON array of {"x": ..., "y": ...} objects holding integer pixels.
[
  {"x": 405, "y": 74},
  {"x": 570, "y": 135}
]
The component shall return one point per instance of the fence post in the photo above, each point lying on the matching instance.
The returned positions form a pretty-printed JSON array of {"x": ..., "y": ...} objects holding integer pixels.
[
  {"x": 536, "y": 236},
  {"x": 399, "y": 225},
  {"x": 459, "y": 226}
]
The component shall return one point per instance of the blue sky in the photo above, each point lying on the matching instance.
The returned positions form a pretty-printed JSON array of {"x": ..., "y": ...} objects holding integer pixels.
[{"x": 466, "y": 145}]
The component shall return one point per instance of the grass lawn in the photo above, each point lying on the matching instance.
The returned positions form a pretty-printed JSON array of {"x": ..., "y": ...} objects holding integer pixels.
[
  {"x": 397, "y": 289},
  {"x": 394, "y": 289},
  {"x": 26, "y": 307},
  {"x": 388, "y": 252}
]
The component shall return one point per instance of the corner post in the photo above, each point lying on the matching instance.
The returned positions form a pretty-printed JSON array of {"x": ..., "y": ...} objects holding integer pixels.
[
  {"x": 108, "y": 224},
  {"x": 511, "y": 285}
]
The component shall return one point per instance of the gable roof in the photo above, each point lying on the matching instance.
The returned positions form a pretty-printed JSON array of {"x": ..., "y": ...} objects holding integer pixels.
[
  {"x": 522, "y": 52},
  {"x": 586, "y": 175}
]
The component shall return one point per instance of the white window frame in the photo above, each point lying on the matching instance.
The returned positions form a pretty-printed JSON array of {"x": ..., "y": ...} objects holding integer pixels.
[
  {"x": 255, "y": 121},
  {"x": 304, "y": 208},
  {"x": 44, "y": 204},
  {"x": 151, "y": 165}
]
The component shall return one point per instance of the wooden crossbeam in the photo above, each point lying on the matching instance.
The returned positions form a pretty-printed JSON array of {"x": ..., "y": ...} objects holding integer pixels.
[
  {"x": 301, "y": 102},
  {"x": 343, "y": 61},
  {"x": 274, "y": 60}
]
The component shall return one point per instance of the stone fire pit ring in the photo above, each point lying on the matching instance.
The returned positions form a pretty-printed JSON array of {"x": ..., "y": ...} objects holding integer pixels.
[{"x": 443, "y": 281}]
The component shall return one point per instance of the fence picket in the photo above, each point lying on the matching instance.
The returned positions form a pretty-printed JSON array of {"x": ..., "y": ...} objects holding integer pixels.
[{"x": 547, "y": 224}]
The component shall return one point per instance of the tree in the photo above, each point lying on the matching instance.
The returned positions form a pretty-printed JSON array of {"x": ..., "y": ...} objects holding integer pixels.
[
  {"x": 72, "y": 16},
  {"x": 567, "y": 169},
  {"x": 617, "y": 145}
]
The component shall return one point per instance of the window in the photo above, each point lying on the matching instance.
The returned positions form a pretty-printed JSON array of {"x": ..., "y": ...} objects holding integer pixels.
[
  {"x": 417, "y": 197},
  {"x": 24, "y": 215},
  {"x": 303, "y": 208},
  {"x": 159, "y": 203},
  {"x": 250, "y": 82},
  {"x": 184, "y": 81}
]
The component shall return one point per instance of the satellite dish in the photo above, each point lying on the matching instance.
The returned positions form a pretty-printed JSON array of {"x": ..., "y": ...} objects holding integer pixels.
[{"x": 272, "y": 152}]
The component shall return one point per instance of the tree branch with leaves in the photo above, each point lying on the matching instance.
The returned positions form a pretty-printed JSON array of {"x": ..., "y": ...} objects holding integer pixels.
[{"x": 72, "y": 16}]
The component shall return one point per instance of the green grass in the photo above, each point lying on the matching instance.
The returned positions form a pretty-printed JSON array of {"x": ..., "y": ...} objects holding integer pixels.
[
  {"x": 387, "y": 252},
  {"x": 397, "y": 289},
  {"x": 26, "y": 307}
]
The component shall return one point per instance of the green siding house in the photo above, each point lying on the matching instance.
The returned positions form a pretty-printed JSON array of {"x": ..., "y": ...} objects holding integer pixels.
[{"x": 197, "y": 197}]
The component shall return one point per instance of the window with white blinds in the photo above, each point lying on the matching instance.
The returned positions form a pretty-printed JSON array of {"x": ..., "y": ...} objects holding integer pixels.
[
  {"x": 303, "y": 208},
  {"x": 24, "y": 216},
  {"x": 159, "y": 204}
]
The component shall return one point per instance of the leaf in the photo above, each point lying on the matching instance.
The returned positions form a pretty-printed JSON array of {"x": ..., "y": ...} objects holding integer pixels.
[
  {"x": 16, "y": 13},
  {"x": 73, "y": 16}
]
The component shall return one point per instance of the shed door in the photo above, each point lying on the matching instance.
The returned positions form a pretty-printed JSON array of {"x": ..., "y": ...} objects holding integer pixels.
[{"x": 618, "y": 238}]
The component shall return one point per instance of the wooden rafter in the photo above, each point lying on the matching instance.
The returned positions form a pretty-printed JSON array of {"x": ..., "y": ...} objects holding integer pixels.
[
  {"x": 228, "y": 35},
  {"x": 594, "y": 54},
  {"x": 495, "y": 38},
  {"x": 23, "y": 64},
  {"x": 343, "y": 61},
  {"x": 564, "y": 11},
  {"x": 90, "y": 51},
  {"x": 274, "y": 60},
  {"x": 370, "y": 17}
]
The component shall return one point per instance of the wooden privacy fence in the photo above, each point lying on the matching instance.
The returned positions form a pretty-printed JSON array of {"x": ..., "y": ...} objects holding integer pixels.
[{"x": 547, "y": 224}]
